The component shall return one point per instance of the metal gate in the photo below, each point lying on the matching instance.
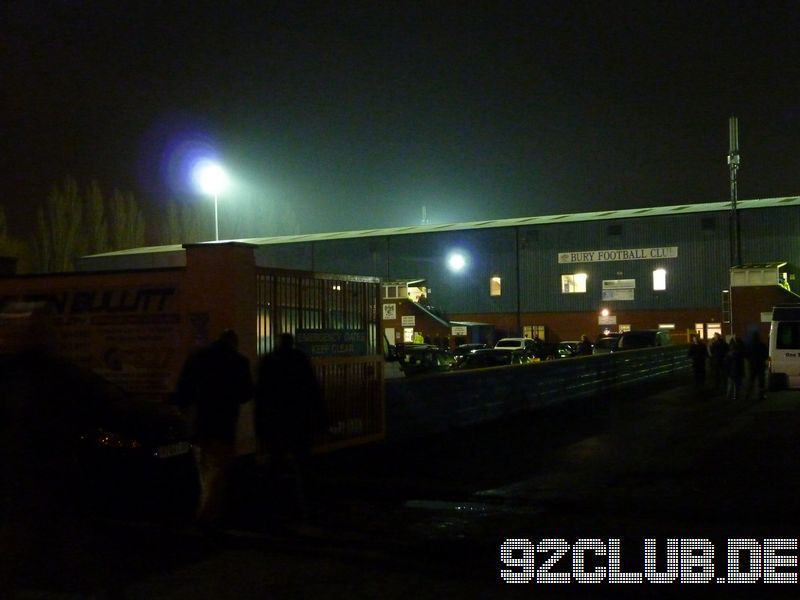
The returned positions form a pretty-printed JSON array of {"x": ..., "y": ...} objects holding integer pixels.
[{"x": 336, "y": 307}]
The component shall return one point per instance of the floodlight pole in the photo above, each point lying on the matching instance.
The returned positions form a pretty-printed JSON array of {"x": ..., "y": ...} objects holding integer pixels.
[
  {"x": 734, "y": 161},
  {"x": 216, "y": 218}
]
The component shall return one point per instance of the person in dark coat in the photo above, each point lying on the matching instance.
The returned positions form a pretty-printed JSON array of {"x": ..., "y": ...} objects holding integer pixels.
[
  {"x": 585, "y": 346},
  {"x": 734, "y": 367},
  {"x": 698, "y": 352},
  {"x": 718, "y": 350},
  {"x": 289, "y": 410},
  {"x": 213, "y": 383},
  {"x": 756, "y": 355}
]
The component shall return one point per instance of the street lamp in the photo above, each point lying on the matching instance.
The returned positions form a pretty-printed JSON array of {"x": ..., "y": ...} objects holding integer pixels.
[{"x": 212, "y": 179}]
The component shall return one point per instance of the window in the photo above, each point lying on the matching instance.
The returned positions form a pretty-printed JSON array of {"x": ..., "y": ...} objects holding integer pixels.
[
  {"x": 531, "y": 331},
  {"x": 495, "y": 286},
  {"x": 788, "y": 336},
  {"x": 659, "y": 279},
  {"x": 573, "y": 284},
  {"x": 712, "y": 328}
]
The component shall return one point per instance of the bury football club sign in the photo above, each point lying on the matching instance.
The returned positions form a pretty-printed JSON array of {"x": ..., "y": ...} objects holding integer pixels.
[{"x": 618, "y": 254}]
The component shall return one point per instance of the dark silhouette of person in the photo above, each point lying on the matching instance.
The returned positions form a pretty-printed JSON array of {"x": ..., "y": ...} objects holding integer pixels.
[
  {"x": 289, "y": 413},
  {"x": 213, "y": 383},
  {"x": 585, "y": 346},
  {"x": 756, "y": 354},
  {"x": 734, "y": 367},
  {"x": 718, "y": 350},
  {"x": 698, "y": 353}
]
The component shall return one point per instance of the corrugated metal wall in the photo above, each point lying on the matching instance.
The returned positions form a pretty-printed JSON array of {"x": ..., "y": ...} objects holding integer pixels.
[
  {"x": 770, "y": 235},
  {"x": 695, "y": 278}
]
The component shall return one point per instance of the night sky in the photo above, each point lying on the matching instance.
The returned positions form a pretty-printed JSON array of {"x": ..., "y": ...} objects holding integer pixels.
[{"x": 358, "y": 114}]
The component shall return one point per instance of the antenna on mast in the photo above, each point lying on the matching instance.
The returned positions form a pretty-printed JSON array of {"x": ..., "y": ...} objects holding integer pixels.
[{"x": 733, "y": 166}]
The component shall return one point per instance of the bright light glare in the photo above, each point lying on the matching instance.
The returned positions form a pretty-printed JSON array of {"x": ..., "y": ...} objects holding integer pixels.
[
  {"x": 210, "y": 177},
  {"x": 456, "y": 261},
  {"x": 604, "y": 312}
]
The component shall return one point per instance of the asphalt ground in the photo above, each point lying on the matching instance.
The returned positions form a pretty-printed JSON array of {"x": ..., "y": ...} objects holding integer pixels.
[{"x": 427, "y": 518}]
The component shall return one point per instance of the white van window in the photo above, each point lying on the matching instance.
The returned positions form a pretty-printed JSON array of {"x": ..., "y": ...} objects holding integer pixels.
[{"x": 788, "y": 336}]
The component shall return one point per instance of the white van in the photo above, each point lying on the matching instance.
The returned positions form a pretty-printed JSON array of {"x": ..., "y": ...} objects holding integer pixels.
[{"x": 784, "y": 346}]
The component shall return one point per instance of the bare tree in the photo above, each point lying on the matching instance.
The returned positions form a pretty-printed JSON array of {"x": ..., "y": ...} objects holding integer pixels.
[
  {"x": 95, "y": 240},
  {"x": 182, "y": 223},
  {"x": 70, "y": 225},
  {"x": 58, "y": 239},
  {"x": 126, "y": 222}
]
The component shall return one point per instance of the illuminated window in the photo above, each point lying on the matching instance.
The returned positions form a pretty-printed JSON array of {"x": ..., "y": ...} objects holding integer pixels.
[
  {"x": 495, "y": 286},
  {"x": 623, "y": 328},
  {"x": 659, "y": 279},
  {"x": 531, "y": 331},
  {"x": 573, "y": 284},
  {"x": 712, "y": 328}
]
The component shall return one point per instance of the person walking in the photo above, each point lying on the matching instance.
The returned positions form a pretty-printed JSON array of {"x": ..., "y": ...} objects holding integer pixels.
[
  {"x": 718, "y": 350},
  {"x": 756, "y": 355},
  {"x": 585, "y": 346},
  {"x": 698, "y": 352},
  {"x": 734, "y": 367},
  {"x": 214, "y": 382},
  {"x": 289, "y": 413}
]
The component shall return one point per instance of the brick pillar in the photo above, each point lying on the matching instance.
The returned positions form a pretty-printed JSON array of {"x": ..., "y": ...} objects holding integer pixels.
[{"x": 220, "y": 292}]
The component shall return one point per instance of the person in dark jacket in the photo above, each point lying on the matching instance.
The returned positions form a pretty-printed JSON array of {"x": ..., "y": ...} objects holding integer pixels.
[
  {"x": 289, "y": 410},
  {"x": 734, "y": 367},
  {"x": 213, "y": 383},
  {"x": 756, "y": 355},
  {"x": 698, "y": 352},
  {"x": 585, "y": 346},
  {"x": 717, "y": 351}
]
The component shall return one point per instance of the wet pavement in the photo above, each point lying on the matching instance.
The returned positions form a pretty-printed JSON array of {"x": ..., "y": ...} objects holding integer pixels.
[{"x": 427, "y": 518}]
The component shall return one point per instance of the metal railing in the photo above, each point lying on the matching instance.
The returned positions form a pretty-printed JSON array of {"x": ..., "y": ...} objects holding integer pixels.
[{"x": 438, "y": 402}]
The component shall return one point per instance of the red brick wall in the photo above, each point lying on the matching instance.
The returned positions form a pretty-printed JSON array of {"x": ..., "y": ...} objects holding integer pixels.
[
  {"x": 747, "y": 304},
  {"x": 571, "y": 325}
]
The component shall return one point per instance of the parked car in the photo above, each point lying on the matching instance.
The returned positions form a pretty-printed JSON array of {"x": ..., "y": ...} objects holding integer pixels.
[
  {"x": 464, "y": 349},
  {"x": 73, "y": 437},
  {"x": 644, "y": 338},
  {"x": 606, "y": 345},
  {"x": 567, "y": 349},
  {"x": 535, "y": 348},
  {"x": 416, "y": 359},
  {"x": 493, "y": 357}
]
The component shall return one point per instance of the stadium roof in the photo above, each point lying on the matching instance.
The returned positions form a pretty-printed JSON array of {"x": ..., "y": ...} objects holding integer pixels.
[{"x": 488, "y": 224}]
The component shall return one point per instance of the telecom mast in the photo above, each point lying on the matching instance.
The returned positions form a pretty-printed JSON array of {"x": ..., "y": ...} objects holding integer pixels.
[{"x": 733, "y": 166}]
